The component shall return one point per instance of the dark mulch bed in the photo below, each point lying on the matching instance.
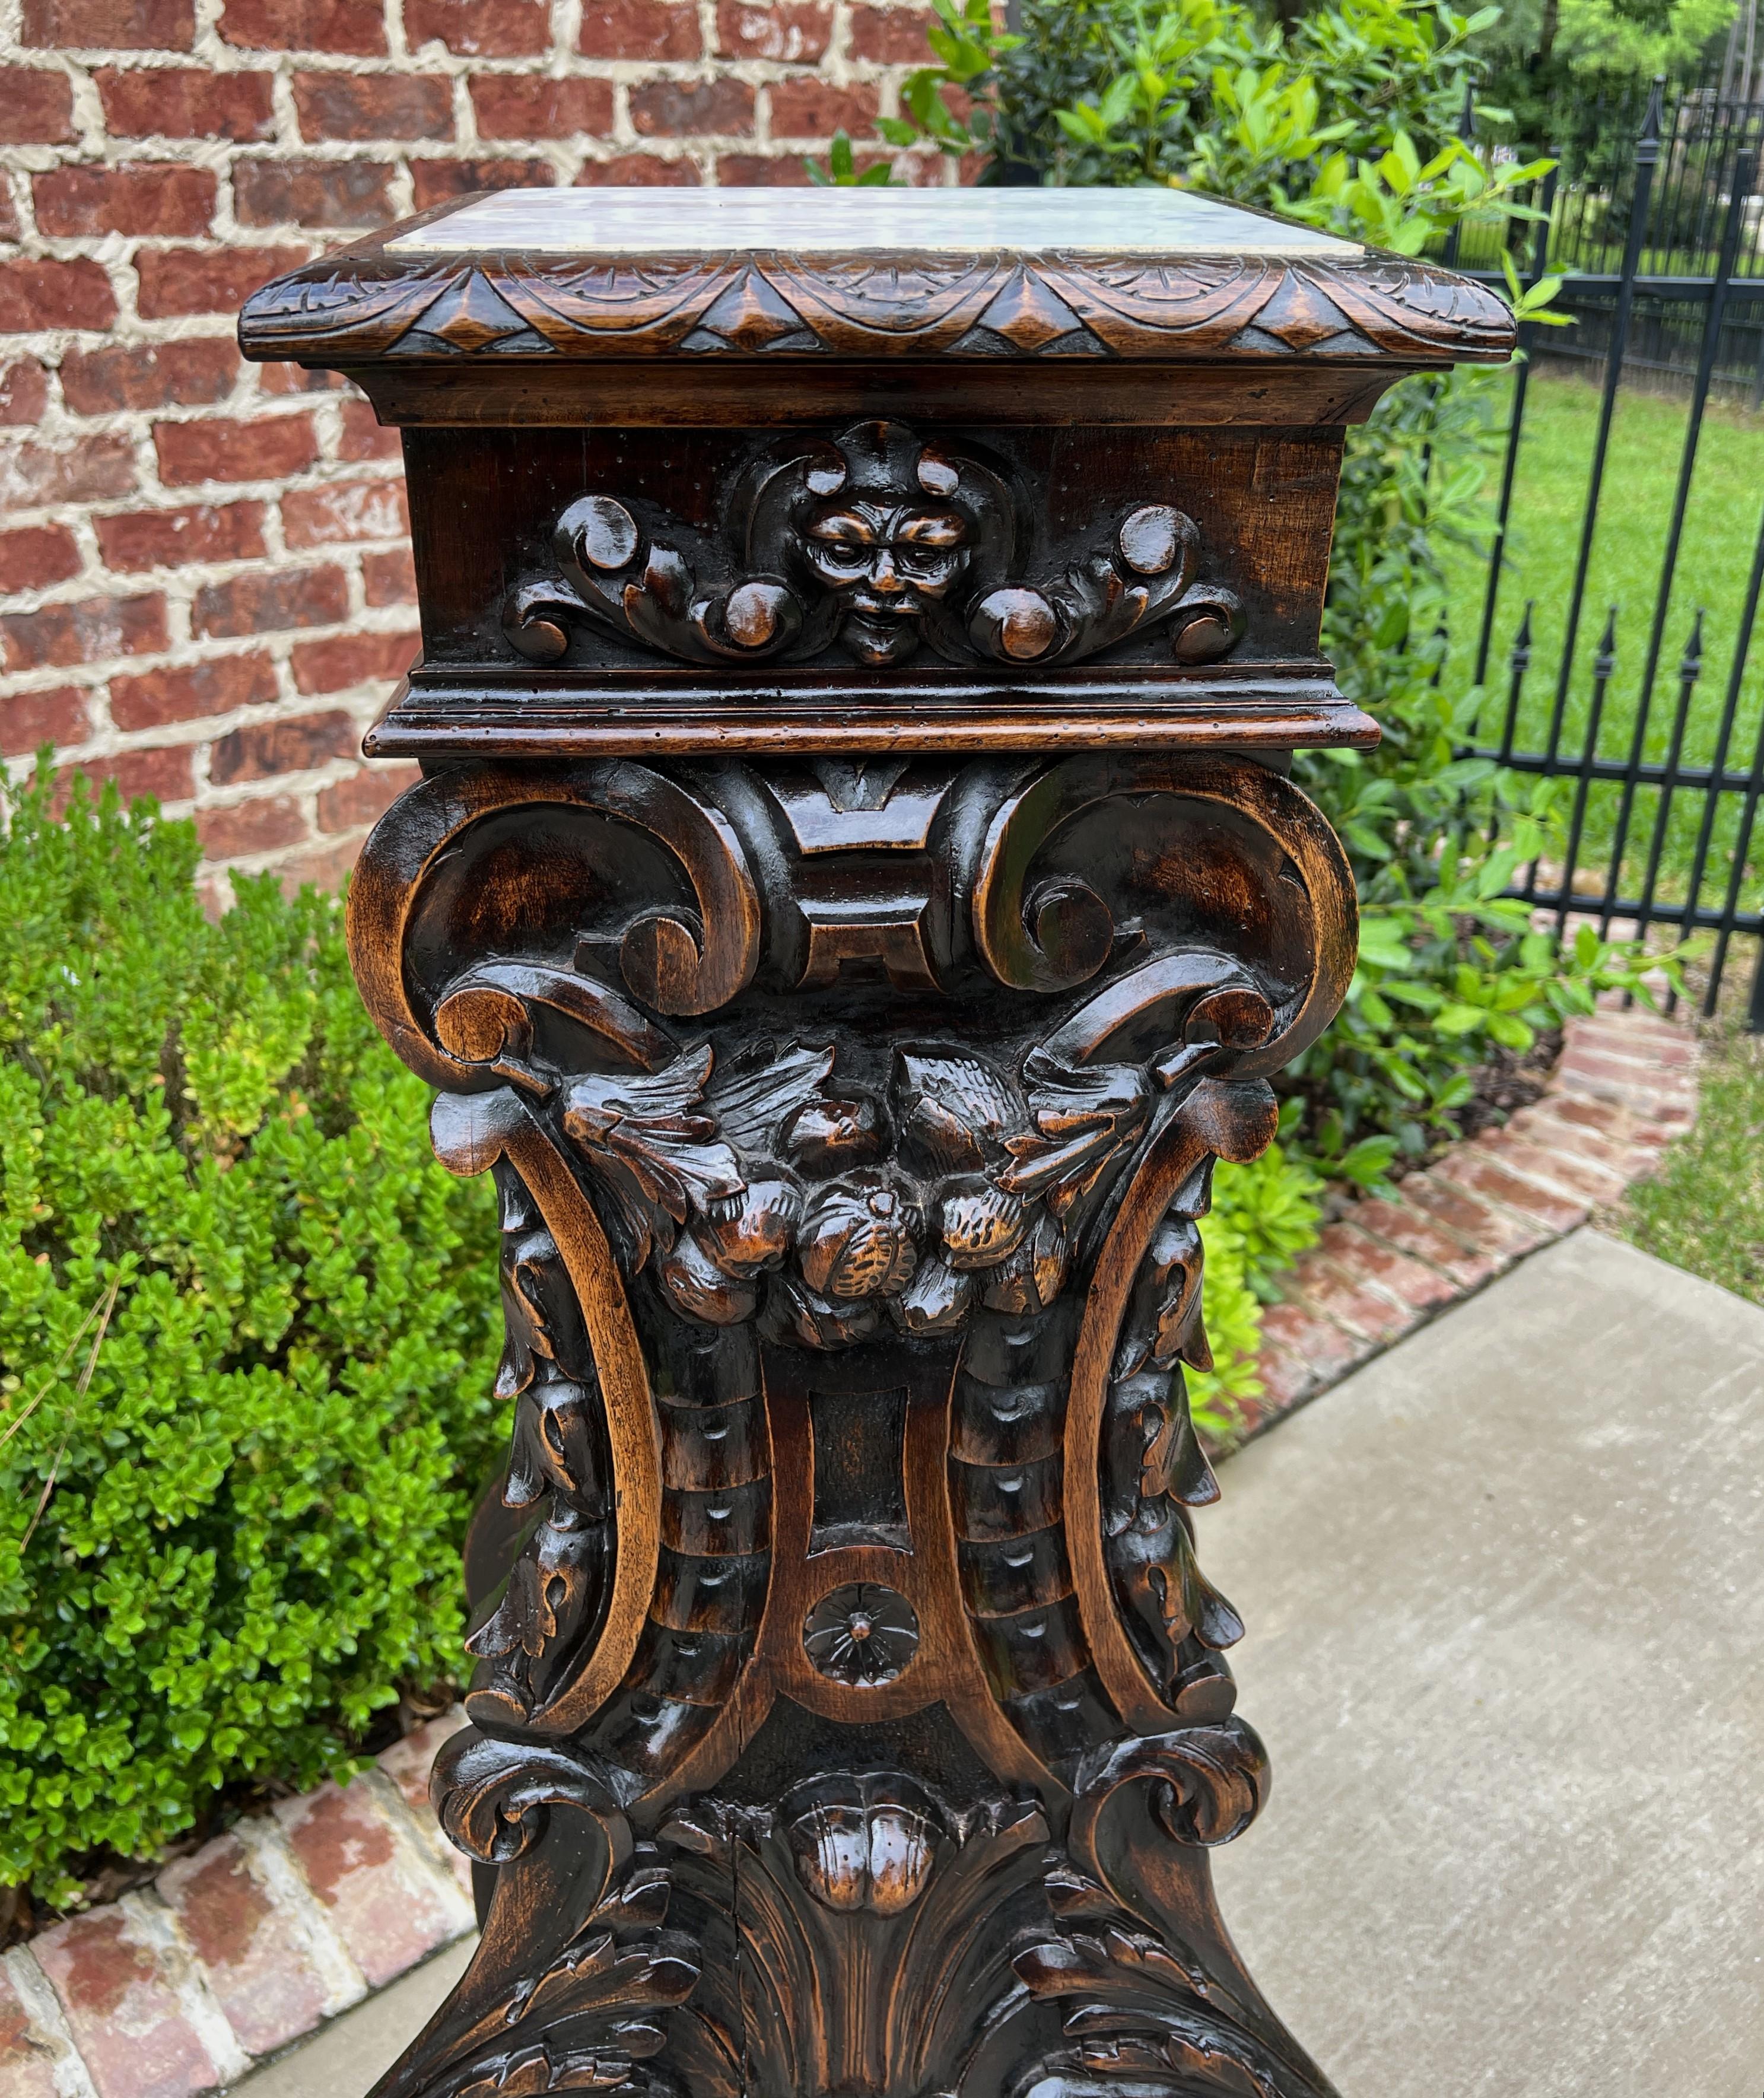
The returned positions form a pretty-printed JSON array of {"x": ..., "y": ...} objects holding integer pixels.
[{"x": 1508, "y": 1082}]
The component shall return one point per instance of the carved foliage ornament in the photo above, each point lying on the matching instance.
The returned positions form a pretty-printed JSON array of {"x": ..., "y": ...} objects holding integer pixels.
[
  {"x": 880, "y": 542},
  {"x": 709, "y": 1234},
  {"x": 964, "y": 1188},
  {"x": 1240, "y": 305}
]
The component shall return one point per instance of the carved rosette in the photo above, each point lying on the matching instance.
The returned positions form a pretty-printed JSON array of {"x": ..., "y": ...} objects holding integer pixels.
[{"x": 852, "y": 1125}]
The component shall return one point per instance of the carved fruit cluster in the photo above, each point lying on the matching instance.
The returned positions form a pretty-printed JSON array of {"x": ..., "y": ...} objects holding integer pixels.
[{"x": 762, "y": 1191}]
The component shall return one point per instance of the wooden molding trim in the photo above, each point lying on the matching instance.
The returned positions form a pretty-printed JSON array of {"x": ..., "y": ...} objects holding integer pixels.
[{"x": 364, "y": 303}]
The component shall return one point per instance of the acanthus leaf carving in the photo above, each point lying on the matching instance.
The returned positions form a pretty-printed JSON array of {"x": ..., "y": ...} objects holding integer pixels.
[
  {"x": 571, "y": 1993},
  {"x": 864, "y": 1897},
  {"x": 1133, "y": 1958},
  {"x": 556, "y": 1591},
  {"x": 662, "y": 1160}
]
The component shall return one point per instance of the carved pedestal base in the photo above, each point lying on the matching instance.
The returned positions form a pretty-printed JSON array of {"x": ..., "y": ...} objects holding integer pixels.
[{"x": 851, "y": 1713}]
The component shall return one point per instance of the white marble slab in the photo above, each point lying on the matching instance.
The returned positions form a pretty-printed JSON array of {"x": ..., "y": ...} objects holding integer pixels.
[{"x": 722, "y": 222}]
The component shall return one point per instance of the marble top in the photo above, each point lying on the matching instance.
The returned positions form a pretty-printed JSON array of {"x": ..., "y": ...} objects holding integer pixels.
[{"x": 721, "y": 222}]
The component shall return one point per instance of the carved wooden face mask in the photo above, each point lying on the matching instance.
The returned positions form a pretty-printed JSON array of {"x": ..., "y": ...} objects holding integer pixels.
[
  {"x": 889, "y": 564},
  {"x": 889, "y": 533},
  {"x": 876, "y": 541}
]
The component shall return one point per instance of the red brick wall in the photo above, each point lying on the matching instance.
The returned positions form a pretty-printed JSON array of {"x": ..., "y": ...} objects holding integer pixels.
[{"x": 204, "y": 587}]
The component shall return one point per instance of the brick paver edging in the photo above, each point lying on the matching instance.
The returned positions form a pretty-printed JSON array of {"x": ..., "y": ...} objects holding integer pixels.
[
  {"x": 294, "y": 1916},
  {"x": 1625, "y": 1085},
  {"x": 235, "y": 1953}
]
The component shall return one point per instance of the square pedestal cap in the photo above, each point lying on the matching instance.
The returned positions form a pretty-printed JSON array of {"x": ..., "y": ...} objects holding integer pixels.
[{"x": 868, "y": 275}]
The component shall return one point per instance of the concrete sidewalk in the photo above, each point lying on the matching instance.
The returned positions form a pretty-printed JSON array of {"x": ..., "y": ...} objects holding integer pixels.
[{"x": 1505, "y": 1595}]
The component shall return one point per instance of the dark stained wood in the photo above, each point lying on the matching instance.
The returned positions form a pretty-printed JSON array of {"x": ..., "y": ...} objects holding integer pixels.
[
  {"x": 786, "y": 393},
  {"x": 521, "y": 570},
  {"x": 369, "y": 302},
  {"x": 852, "y": 903},
  {"x": 447, "y": 715}
]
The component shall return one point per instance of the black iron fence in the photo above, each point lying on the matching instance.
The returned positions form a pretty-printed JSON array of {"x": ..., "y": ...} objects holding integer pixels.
[
  {"x": 1700, "y": 147},
  {"x": 1653, "y": 839}
]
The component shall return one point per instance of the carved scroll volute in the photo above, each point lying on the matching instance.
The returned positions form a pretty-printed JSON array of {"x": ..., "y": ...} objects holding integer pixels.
[
  {"x": 1055, "y": 933},
  {"x": 668, "y": 964},
  {"x": 1054, "y": 936},
  {"x": 673, "y": 965}
]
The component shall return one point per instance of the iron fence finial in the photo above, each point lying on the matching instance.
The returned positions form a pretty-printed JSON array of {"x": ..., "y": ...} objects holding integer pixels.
[
  {"x": 1605, "y": 661},
  {"x": 1647, "y": 143}
]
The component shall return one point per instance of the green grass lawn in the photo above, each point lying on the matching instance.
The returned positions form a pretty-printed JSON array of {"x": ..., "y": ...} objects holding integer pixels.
[
  {"x": 1635, "y": 506},
  {"x": 1704, "y": 1211}
]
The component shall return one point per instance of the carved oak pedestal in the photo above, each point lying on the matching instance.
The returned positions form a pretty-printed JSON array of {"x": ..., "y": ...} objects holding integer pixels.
[{"x": 852, "y": 901}]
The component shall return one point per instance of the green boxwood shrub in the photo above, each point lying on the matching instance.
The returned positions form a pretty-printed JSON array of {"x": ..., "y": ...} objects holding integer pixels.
[
  {"x": 1264, "y": 1215},
  {"x": 246, "y": 1343}
]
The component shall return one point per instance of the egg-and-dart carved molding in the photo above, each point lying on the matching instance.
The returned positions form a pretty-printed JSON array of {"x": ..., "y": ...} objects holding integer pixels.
[
  {"x": 363, "y": 304},
  {"x": 877, "y": 541}
]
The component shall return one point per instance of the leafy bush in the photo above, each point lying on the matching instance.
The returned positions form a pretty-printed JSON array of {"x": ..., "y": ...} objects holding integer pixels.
[
  {"x": 246, "y": 1346},
  {"x": 1346, "y": 117},
  {"x": 1451, "y": 972},
  {"x": 1264, "y": 1215}
]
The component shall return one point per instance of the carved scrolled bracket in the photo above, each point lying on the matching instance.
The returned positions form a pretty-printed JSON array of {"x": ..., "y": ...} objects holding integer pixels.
[
  {"x": 878, "y": 541},
  {"x": 1154, "y": 2000},
  {"x": 1206, "y": 1030},
  {"x": 674, "y": 963},
  {"x": 1054, "y": 933},
  {"x": 575, "y": 1972},
  {"x": 1208, "y": 1783},
  {"x": 1153, "y": 1621},
  {"x": 494, "y": 1796}
]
